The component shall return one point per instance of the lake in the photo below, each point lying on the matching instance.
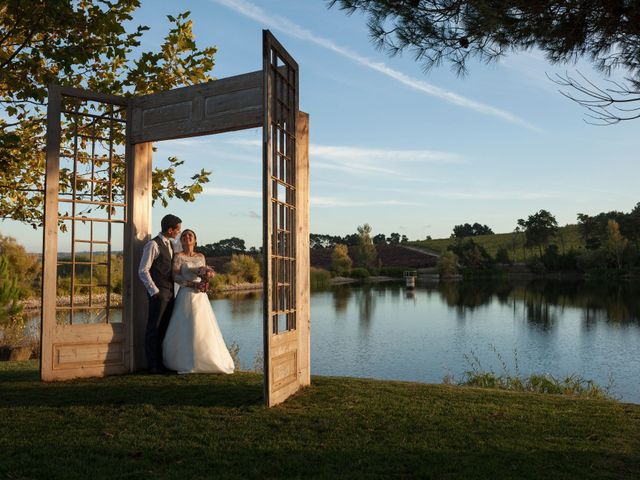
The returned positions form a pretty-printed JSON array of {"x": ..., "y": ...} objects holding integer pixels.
[
  {"x": 388, "y": 332},
  {"x": 385, "y": 331}
]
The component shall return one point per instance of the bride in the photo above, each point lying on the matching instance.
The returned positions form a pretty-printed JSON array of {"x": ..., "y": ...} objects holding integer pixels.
[{"x": 193, "y": 342}]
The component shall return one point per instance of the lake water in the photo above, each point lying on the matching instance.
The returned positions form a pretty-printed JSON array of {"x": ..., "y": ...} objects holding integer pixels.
[{"x": 385, "y": 331}]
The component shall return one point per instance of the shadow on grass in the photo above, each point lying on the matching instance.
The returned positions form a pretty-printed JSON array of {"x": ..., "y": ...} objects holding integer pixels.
[{"x": 22, "y": 387}]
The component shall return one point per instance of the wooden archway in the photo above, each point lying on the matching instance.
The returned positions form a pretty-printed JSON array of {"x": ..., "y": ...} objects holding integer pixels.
[{"x": 82, "y": 340}]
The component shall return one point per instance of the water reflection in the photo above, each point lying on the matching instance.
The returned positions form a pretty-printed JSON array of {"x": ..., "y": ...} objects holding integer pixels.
[
  {"x": 341, "y": 294},
  {"x": 366, "y": 301},
  {"x": 557, "y": 327},
  {"x": 545, "y": 301}
]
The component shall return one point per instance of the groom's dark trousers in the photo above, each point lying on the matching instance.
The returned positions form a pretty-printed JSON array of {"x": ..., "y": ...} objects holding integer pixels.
[
  {"x": 160, "y": 308},
  {"x": 160, "y": 305}
]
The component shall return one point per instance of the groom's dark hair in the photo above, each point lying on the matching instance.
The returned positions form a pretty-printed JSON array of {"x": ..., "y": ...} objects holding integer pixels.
[{"x": 169, "y": 221}]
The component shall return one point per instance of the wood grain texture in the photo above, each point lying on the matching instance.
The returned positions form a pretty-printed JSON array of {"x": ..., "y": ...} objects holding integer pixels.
[
  {"x": 139, "y": 233},
  {"x": 232, "y": 103},
  {"x": 50, "y": 234},
  {"x": 303, "y": 296}
]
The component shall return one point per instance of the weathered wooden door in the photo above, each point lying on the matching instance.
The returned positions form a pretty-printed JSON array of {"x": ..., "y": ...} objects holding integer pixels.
[
  {"x": 85, "y": 216},
  {"x": 285, "y": 222}
]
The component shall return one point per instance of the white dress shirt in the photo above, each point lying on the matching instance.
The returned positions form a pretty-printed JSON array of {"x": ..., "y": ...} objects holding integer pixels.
[{"x": 149, "y": 254}]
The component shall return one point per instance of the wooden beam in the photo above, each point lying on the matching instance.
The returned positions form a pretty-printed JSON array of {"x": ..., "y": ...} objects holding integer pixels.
[
  {"x": 232, "y": 103},
  {"x": 95, "y": 96}
]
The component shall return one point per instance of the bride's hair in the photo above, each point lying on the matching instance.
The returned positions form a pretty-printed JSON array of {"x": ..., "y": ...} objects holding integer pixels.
[{"x": 192, "y": 232}]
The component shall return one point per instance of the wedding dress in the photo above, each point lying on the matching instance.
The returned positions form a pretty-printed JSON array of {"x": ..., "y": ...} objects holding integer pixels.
[{"x": 193, "y": 342}]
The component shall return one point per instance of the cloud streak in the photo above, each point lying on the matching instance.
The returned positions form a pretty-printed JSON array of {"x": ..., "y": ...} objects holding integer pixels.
[
  {"x": 232, "y": 192},
  {"x": 288, "y": 27}
]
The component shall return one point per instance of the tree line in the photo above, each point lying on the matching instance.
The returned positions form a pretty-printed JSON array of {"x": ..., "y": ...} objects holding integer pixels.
[
  {"x": 610, "y": 241},
  {"x": 319, "y": 240}
]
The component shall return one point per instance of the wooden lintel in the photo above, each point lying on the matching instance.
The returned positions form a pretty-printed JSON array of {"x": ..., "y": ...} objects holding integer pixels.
[{"x": 228, "y": 104}]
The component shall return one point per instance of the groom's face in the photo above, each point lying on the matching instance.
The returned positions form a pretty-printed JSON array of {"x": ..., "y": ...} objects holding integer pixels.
[{"x": 174, "y": 232}]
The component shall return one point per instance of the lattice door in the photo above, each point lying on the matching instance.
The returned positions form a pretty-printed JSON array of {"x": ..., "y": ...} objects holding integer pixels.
[
  {"x": 85, "y": 217},
  {"x": 280, "y": 207}
]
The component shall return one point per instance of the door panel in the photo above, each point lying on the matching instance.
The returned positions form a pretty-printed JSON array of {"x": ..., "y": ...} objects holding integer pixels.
[{"x": 85, "y": 219}]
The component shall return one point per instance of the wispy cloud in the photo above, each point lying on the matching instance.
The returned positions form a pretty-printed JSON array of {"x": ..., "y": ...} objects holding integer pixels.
[
  {"x": 491, "y": 195},
  {"x": 232, "y": 192},
  {"x": 250, "y": 214},
  {"x": 345, "y": 202},
  {"x": 288, "y": 27},
  {"x": 373, "y": 154},
  {"x": 359, "y": 160}
]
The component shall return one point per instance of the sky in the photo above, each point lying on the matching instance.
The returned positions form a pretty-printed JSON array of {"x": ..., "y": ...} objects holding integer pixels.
[{"x": 390, "y": 145}]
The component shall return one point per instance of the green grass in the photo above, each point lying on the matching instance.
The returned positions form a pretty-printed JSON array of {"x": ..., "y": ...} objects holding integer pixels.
[
  {"x": 206, "y": 426},
  {"x": 569, "y": 235}
]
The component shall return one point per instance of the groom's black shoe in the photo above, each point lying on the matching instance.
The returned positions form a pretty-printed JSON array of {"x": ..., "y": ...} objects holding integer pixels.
[{"x": 157, "y": 371}]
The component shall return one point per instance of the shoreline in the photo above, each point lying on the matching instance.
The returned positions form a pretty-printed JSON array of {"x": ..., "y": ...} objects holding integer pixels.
[{"x": 32, "y": 304}]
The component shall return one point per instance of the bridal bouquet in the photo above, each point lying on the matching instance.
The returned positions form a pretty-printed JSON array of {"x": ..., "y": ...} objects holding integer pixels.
[{"x": 204, "y": 274}]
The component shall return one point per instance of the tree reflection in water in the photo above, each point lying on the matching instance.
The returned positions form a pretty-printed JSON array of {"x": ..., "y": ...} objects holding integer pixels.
[
  {"x": 341, "y": 295},
  {"x": 544, "y": 301}
]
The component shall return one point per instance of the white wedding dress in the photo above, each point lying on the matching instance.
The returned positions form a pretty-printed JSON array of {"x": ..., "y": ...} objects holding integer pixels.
[{"x": 193, "y": 342}]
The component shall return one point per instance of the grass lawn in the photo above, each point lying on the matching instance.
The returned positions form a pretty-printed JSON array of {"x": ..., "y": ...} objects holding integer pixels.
[
  {"x": 568, "y": 237},
  {"x": 206, "y": 426}
]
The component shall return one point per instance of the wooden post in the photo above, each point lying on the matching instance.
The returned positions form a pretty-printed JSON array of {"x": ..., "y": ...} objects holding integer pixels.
[
  {"x": 138, "y": 234},
  {"x": 303, "y": 314},
  {"x": 50, "y": 234}
]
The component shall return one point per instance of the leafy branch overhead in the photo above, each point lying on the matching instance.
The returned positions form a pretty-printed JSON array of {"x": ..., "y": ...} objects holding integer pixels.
[
  {"x": 606, "y": 32},
  {"x": 86, "y": 45}
]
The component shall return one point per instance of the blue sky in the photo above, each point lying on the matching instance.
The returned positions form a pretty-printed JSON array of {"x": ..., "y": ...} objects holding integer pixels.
[{"x": 391, "y": 146}]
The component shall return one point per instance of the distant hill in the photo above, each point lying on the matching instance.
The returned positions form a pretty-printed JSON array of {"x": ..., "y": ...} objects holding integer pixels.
[
  {"x": 568, "y": 237},
  {"x": 389, "y": 255}
]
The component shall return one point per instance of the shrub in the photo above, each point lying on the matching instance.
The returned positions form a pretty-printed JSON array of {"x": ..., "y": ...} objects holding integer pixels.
[
  {"x": 502, "y": 256},
  {"x": 243, "y": 268},
  {"x": 471, "y": 254},
  {"x": 218, "y": 282},
  {"x": 22, "y": 266},
  {"x": 9, "y": 294},
  {"x": 447, "y": 264},
  {"x": 592, "y": 260},
  {"x": 320, "y": 277},
  {"x": 360, "y": 273}
]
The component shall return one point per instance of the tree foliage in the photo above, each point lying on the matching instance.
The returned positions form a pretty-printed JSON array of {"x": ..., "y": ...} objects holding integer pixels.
[
  {"x": 9, "y": 293},
  {"x": 81, "y": 44},
  {"x": 616, "y": 243},
  {"x": 468, "y": 230},
  {"x": 24, "y": 267},
  {"x": 593, "y": 228},
  {"x": 471, "y": 254},
  {"x": 225, "y": 247},
  {"x": 340, "y": 261},
  {"x": 447, "y": 264},
  {"x": 366, "y": 251},
  {"x": 605, "y": 32},
  {"x": 539, "y": 228}
]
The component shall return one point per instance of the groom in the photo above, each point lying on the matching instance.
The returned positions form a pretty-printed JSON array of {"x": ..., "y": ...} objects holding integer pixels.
[{"x": 155, "y": 273}]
